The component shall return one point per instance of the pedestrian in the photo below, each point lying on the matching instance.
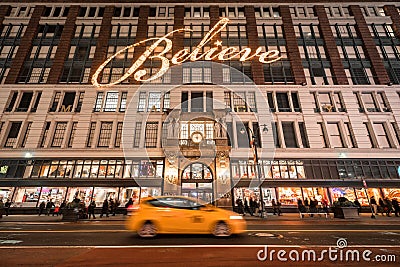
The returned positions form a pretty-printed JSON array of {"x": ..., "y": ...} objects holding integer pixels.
[
  {"x": 1, "y": 208},
  {"x": 129, "y": 203},
  {"x": 42, "y": 206},
  {"x": 56, "y": 210},
  {"x": 358, "y": 205},
  {"x": 374, "y": 205},
  {"x": 111, "y": 205},
  {"x": 62, "y": 207},
  {"x": 389, "y": 206},
  {"x": 7, "y": 206},
  {"x": 104, "y": 208},
  {"x": 307, "y": 204},
  {"x": 274, "y": 207},
  {"x": 278, "y": 204},
  {"x": 49, "y": 207},
  {"x": 253, "y": 206},
  {"x": 91, "y": 209},
  {"x": 382, "y": 205},
  {"x": 246, "y": 207},
  {"x": 396, "y": 207},
  {"x": 325, "y": 206},
  {"x": 239, "y": 203},
  {"x": 300, "y": 206}
]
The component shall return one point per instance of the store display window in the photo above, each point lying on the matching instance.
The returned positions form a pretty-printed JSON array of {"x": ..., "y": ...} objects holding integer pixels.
[
  {"x": 83, "y": 193},
  {"x": 6, "y": 193},
  {"x": 362, "y": 196},
  {"x": 27, "y": 196},
  {"x": 391, "y": 193},
  {"x": 317, "y": 193},
  {"x": 129, "y": 192},
  {"x": 289, "y": 195},
  {"x": 102, "y": 193},
  {"x": 56, "y": 194},
  {"x": 347, "y": 192}
]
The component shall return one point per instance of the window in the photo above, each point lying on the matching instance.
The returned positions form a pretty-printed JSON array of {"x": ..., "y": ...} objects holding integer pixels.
[
  {"x": 277, "y": 139},
  {"x": 111, "y": 102},
  {"x": 11, "y": 101},
  {"x": 11, "y": 140},
  {"x": 371, "y": 140},
  {"x": 335, "y": 138},
  {"x": 59, "y": 133},
  {"x": 396, "y": 131},
  {"x": 322, "y": 134},
  {"x": 45, "y": 133},
  {"x": 243, "y": 139},
  {"x": 105, "y": 134},
  {"x": 36, "y": 104},
  {"x": 303, "y": 133},
  {"x": 68, "y": 102},
  {"x": 91, "y": 134},
  {"x": 351, "y": 141},
  {"x": 138, "y": 130},
  {"x": 80, "y": 101},
  {"x": 154, "y": 101},
  {"x": 383, "y": 102},
  {"x": 142, "y": 102},
  {"x": 27, "y": 130},
  {"x": 197, "y": 102},
  {"x": 25, "y": 102},
  {"x": 118, "y": 135},
  {"x": 282, "y": 100},
  {"x": 289, "y": 135},
  {"x": 99, "y": 101},
  {"x": 72, "y": 134},
  {"x": 381, "y": 135},
  {"x": 369, "y": 102},
  {"x": 151, "y": 134},
  {"x": 122, "y": 105}
]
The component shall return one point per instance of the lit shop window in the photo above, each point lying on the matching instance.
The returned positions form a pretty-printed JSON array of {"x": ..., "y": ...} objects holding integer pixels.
[
  {"x": 83, "y": 193},
  {"x": 27, "y": 196},
  {"x": 288, "y": 196},
  {"x": 281, "y": 169},
  {"x": 197, "y": 171},
  {"x": 110, "y": 101},
  {"x": 143, "y": 168},
  {"x": 56, "y": 195},
  {"x": 347, "y": 192},
  {"x": 6, "y": 192},
  {"x": 102, "y": 193}
]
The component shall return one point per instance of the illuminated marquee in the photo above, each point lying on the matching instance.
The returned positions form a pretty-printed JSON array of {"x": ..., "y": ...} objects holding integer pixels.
[{"x": 184, "y": 55}]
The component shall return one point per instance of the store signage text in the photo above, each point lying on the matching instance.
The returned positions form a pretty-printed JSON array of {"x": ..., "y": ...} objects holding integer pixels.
[{"x": 184, "y": 55}]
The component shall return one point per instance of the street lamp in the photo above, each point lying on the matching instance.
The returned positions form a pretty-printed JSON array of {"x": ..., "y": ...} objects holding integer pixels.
[{"x": 253, "y": 143}]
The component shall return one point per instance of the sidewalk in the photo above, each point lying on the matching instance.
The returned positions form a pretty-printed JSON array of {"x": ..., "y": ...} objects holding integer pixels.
[{"x": 364, "y": 218}]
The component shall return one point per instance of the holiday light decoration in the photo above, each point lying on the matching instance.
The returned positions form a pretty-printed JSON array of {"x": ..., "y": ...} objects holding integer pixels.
[{"x": 184, "y": 55}]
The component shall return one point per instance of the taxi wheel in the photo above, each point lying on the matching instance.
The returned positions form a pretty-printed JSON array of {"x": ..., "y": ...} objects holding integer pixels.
[
  {"x": 148, "y": 230},
  {"x": 221, "y": 229}
]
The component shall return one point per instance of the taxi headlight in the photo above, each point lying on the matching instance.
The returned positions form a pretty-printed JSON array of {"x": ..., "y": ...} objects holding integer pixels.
[{"x": 236, "y": 217}]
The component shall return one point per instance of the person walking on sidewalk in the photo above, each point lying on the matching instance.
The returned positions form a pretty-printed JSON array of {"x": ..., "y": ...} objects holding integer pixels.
[
  {"x": 7, "y": 206},
  {"x": 42, "y": 206},
  {"x": 104, "y": 209},
  {"x": 278, "y": 204},
  {"x": 49, "y": 207},
  {"x": 274, "y": 207},
  {"x": 1, "y": 208},
  {"x": 396, "y": 207},
  {"x": 374, "y": 205},
  {"x": 91, "y": 209}
]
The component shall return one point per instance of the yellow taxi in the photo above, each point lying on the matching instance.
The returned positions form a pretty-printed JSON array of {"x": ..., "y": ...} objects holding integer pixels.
[{"x": 182, "y": 215}]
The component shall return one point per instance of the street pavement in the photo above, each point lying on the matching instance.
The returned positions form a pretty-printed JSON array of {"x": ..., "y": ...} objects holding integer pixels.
[{"x": 289, "y": 218}]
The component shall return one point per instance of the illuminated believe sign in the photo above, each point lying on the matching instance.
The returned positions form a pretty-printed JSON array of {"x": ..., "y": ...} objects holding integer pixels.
[{"x": 184, "y": 55}]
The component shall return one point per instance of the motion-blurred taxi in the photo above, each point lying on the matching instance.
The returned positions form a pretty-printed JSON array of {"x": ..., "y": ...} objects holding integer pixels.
[{"x": 182, "y": 215}]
